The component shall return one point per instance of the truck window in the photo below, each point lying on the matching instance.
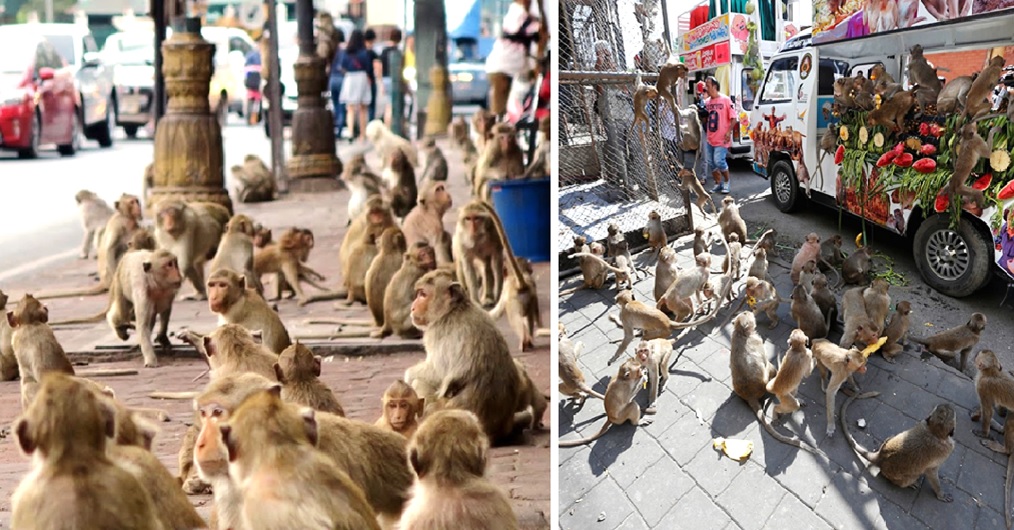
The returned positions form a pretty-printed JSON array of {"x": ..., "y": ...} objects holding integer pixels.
[
  {"x": 829, "y": 70},
  {"x": 780, "y": 85},
  {"x": 748, "y": 95}
]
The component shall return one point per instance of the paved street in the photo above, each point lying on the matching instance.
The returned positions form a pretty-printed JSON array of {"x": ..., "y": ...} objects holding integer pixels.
[{"x": 667, "y": 475}]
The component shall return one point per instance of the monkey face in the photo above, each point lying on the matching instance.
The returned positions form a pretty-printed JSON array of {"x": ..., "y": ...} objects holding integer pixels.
[
  {"x": 643, "y": 352},
  {"x": 474, "y": 224},
  {"x": 170, "y": 218},
  {"x": 653, "y": 215},
  {"x": 624, "y": 297},
  {"x": 597, "y": 249},
  {"x": 222, "y": 291},
  {"x": 986, "y": 360},
  {"x": 439, "y": 197},
  {"x": 399, "y": 412},
  {"x": 420, "y": 307},
  {"x": 210, "y": 454},
  {"x": 425, "y": 257}
]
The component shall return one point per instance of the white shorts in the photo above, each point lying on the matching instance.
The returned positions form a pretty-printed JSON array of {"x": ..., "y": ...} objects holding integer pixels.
[{"x": 355, "y": 89}]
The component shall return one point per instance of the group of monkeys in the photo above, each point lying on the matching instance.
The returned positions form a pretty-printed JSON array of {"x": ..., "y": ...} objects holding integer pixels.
[
  {"x": 269, "y": 438},
  {"x": 683, "y": 293}
]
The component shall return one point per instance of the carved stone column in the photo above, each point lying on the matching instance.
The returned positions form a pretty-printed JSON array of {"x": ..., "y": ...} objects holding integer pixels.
[
  {"x": 188, "y": 139},
  {"x": 314, "y": 165}
]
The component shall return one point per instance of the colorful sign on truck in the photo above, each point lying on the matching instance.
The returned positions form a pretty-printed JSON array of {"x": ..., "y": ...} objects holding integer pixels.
[
  {"x": 713, "y": 43},
  {"x": 835, "y": 20}
]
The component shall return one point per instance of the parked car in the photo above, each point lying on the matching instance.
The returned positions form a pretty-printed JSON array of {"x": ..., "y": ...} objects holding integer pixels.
[
  {"x": 131, "y": 55},
  {"x": 39, "y": 103},
  {"x": 94, "y": 78},
  {"x": 467, "y": 70},
  {"x": 228, "y": 92}
]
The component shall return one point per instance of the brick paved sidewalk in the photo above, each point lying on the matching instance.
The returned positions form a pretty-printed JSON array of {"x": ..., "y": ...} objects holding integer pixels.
[{"x": 667, "y": 475}]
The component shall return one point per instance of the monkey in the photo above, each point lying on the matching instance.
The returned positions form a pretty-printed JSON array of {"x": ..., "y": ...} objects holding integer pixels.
[
  {"x": 810, "y": 250},
  {"x": 863, "y": 92},
  {"x": 948, "y": 344},
  {"x": 270, "y": 442},
  {"x": 572, "y": 383},
  {"x": 616, "y": 243},
  {"x": 534, "y": 402},
  {"x": 482, "y": 125},
  {"x": 231, "y": 349},
  {"x": 593, "y": 267},
  {"x": 922, "y": 74},
  {"x": 830, "y": 253},
  {"x": 35, "y": 346},
  {"x": 229, "y": 297},
  {"x": 262, "y": 236},
  {"x": 363, "y": 183},
  {"x": 1006, "y": 448},
  {"x": 970, "y": 148},
  {"x": 327, "y": 38},
  {"x": 892, "y": 111},
  {"x": 702, "y": 241},
  {"x": 896, "y": 331},
  {"x": 501, "y": 159},
  {"x": 689, "y": 283},
  {"x": 386, "y": 141},
  {"x": 825, "y": 299},
  {"x": 690, "y": 129},
  {"x": 387, "y": 262},
  {"x": 978, "y": 100},
  {"x": 751, "y": 372},
  {"x": 519, "y": 299},
  {"x": 435, "y": 167},
  {"x": 236, "y": 251},
  {"x": 642, "y": 94},
  {"x": 540, "y": 163},
  {"x": 994, "y": 387},
  {"x": 483, "y": 380},
  {"x": 284, "y": 259},
  {"x": 65, "y": 433},
  {"x": 254, "y": 180},
  {"x": 654, "y": 232},
  {"x": 418, "y": 260},
  {"x": 731, "y": 221},
  {"x": 688, "y": 180},
  {"x": 95, "y": 214},
  {"x": 761, "y": 295},
  {"x": 141, "y": 239},
  {"x": 767, "y": 240},
  {"x": 666, "y": 271},
  {"x": 952, "y": 97},
  {"x": 618, "y": 401},
  {"x": 191, "y": 231},
  {"x": 375, "y": 219},
  {"x": 401, "y": 409},
  {"x": 449, "y": 455},
  {"x": 623, "y": 270},
  {"x": 171, "y": 506},
  {"x": 426, "y": 221},
  {"x": 856, "y": 268},
  {"x": 877, "y": 302},
  {"x": 478, "y": 252},
  {"x": 670, "y": 73},
  {"x": 796, "y": 365},
  {"x": 843, "y": 99},
  {"x": 8, "y": 361},
  {"x": 858, "y": 324},
  {"x": 400, "y": 179},
  {"x": 654, "y": 357},
  {"x": 807, "y": 315},
  {"x": 842, "y": 363},
  {"x": 460, "y": 138},
  {"x": 732, "y": 263},
  {"x": 806, "y": 275},
  {"x": 906, "y": 456},
  {"x": 759, "y": 266},
  {"x": 360, "y": 258},
  {"x": 298, "y": 370},
  {"x": 711, "y": 292}
]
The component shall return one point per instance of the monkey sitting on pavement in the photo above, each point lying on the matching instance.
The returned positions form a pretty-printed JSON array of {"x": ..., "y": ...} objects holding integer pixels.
[
  {"x": 619, "y": 401},
  {"x": 957, "y": 341},
  {"x": 796, "y": 365},
  {"x": 298, "y": 370},
  {"x": 8, "y": 361},
  {"x": 654, "y": 357},
  {"x": 897, "y": 331},
  {"x": 402, "y": 408},
  {"x": 95, "y": 213},
  {"x": 254, "y": 181},
  {"x": 229, "y": 297},
  {"x": 572, "y": 383},
  {"x": 35, "y": 346},
  {"x": 191, "y": 231}
]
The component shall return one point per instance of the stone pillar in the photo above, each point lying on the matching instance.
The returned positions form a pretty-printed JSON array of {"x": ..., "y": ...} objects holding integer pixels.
[
  {"x": 430, "y": 52},
  {"x": 188, "y": 139},
  {"x": 314, "y": 165}
]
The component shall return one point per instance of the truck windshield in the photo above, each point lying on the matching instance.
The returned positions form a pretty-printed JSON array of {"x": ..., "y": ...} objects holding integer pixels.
[
  {"x": 748, "y": 94},
  {"x": 780, "y": 85}
]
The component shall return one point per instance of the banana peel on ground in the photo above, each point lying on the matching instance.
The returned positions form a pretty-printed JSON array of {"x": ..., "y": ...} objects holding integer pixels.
[{"x": 738, "y": 450}]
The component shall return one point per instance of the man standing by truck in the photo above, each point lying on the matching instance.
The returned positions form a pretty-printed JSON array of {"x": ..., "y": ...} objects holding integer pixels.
[{"x": 721, "y": 116}]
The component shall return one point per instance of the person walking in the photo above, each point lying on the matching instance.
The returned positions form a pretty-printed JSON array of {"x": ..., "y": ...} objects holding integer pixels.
[
  {"x": 370, "y": 37},
  {"x": 355, "y": 93},
  {"x": 721, "y": 116},
  {"x": 336, "y": 78},
  {"x": 391, "y": 46},
  {"x": 510, "y": 55}
]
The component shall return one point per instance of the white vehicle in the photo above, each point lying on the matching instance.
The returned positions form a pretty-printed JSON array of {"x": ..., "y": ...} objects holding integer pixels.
[{"x": 896, "y": 179}]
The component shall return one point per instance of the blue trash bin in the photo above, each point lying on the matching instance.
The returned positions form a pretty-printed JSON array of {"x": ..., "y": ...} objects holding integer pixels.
[{"x": 524, "y": 209}]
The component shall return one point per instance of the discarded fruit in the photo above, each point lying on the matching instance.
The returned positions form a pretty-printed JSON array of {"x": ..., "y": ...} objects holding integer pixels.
[
  {"x": 941, "y": 203},
  {"x": 999, "y": 160},
  {"x": 936, "y": 130},
  {"x": 886, "y": 158},
  {"x": 904, "y": 160},
  {"x": 925, "y": 165},
  {"x": 928, "y": 149},
  {"x": 839, "y": 155},
  {"x": 983, "y": 182}
]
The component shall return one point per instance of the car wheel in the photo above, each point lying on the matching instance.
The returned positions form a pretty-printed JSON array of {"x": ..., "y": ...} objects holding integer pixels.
[
  {"x": 32, "y": 151},
  {"x": 103, "y": 132},
  {"x": 75, "y": 138},
  {"x": 954, "y": 261},
  {"x": 784, "y": 187},
  {"x": 130, "y": 131}
]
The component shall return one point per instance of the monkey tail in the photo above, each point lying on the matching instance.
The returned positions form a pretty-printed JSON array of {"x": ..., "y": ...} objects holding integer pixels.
[
  {"x": 101, "y": 288},
  {"x": 172, "y": 395},
  {"x": 582, "y": 441},
  {"x": 597, "y": 258},
  {"x": 588, "y": 390},
  {"x": 919, "y": 340},
  {"x": 845, "y": 429},
  {"x": 759, "y": 412},
  {"x": 94, "y": 319}
]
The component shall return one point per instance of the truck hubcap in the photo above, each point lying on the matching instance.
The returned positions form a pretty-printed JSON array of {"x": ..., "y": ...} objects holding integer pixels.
[
  {"x": 947, "y": 254},
  {"x": 783, "y": 188}
]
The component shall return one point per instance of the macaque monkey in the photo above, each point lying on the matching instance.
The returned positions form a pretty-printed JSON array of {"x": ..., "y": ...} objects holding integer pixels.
[
  {"x": 478, "y": 253},
  {"x": 730, "y": 220},
  {"x": 952, "y": 97},
  {"x": 858, "y": 325},
  {"x": 360, "y": 258},
  {"x": 653, "y": 322},
  {"x": 666, "y": 271},
  {"x": 669, "y": 74},
  {"x": 654, "y": 232},
  {"x": 95, "y": 214},
  {"x": 8, "y": 361},
  {"x": 35, "y": 346},
  {"x": 796, "y": 366},
  {"x": 460, "y": 138},
  {"x": 759, "y": 266},
  {"x": 572, "y": 383},
  {"x": 702, "y": 241},
  {"x": 65, "y": 432},
  {"x": 435, "y": 166},
  {"x": 979, "y": 101},
  {"x": 892, "y": 111},
  {"x": 141, "y": 239},
  {"x": 449, "y": 456},
  {"x": 922, "y": 74},
  {"x": 733, "y": 262},
  {"x": 327, "y": 37},
  {"x": 485, "y": 381},
  {"x": 953, "y": 342},
  {"x": 897, "y": 331},
  {"x": 843, "y": 99},
  {"x": 482, "y": 127},
  {"x": 616, "y": 243},
  {"x": 229, "y": 297},
  {"x": 623, "y": 270},
  {"x": 382, "y": 269},
  {"x": 502, "y": 159},
  {"x": 402, "y": 408},
  {"x": 540, "y": 163},
  {"x": 1006, "y": 448},
  {"x": 921, "y": 450},
  {"x": 830, "y": 253},
  {"x": 807, "y": 315},
  {"x": 751, "y": 372},
  {"x": 385, "y": 141},
  {"x": 810, "y": 250},
  {"x": 400, "y": 180},
  {"x": 619, "y": 401},
  {"x": 641, "y": 96},
  {"x": 171, "y": 506},
  {"x": 806, "y": 275},
  {"x": 995, "y": 388},
  {"x": 654, "y": 357},
  {"x": 689, "y": 283},
  {"x": 841, "y": 363},
  {"x": 236, "y": 251},
  {"x": 825, "y": 299},
  {"x": 363, "y": 183},
  {"x": 764, "y": 299},
  {"x": 593, "y": 271},
  {"x": 970, "y": 148},
  {"x": 254, "y": 181},
  {"x": 298, "y": 370},
  {"x": 262, "y": 236},
  {"x": 285, "y": 260},
  {"x": 375, "y": 219},
  {"x": 191, "y": 231},
  {"x": 418, "y": 260},
  {"x": 877, "y": 302},
  {"x": 271, "y": 442},
  {"x": 426, "y": 221},
  {"x": 688, "y": 180},
  {"x": 231, "y": 349},
  {"x": 856, "y": 268},
  {"x": 519, "y": 299}
]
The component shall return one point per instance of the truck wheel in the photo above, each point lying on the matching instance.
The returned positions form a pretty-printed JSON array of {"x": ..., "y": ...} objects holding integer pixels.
[
  {"x": 953, "y": 261},
  {"x": 130, "y": 130},
  {"x": 784, "y": 187}
]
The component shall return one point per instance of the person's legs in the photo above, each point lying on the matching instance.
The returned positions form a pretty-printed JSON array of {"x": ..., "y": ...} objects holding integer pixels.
[
  {"x": 722, "y": 166},
  {"x": 499, "y": 89},
  {"x": 352, "y": 115},
  {"x": 372, "y": 108},
  {"x": 364, "y": 118},
  {"x": 338, "y": 106},
  {"x": 709, "y": 161}
]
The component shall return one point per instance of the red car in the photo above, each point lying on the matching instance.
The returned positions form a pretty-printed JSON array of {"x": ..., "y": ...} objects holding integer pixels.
[{"x": 38, "y": 102}]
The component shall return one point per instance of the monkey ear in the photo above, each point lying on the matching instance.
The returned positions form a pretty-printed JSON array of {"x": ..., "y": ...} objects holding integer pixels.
[
  {"x": 242, "y": 282},
  {"x": 225, "y": 430},
  {"x": 12, "y": 320},
  {"x": 116, "y": 205},
  {"x": 148, "y": 430},
  {"x": 209, "y": 346},
  {"x": 456, "y": 291},
  {"x": 310, "y": 423},
  {"x": 108, "y": 419},
  {"x": 25, "y": 440},
  {"x": 278, "y": 373},
  {"x": 416, "y": 463},
  {"x": 420, "y": 407},
  {"x": 316, "y": 365},
  {"x": 276, "y": 390},
  {"x": 147, "y": 266},
  {"x": 258, "y": 336}
]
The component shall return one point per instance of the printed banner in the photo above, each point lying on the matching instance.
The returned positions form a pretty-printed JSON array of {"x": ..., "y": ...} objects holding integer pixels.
[
  {"x": 710, "y": 56},
  {"x": 707, "y": 34},
  {"x": 835, "y": 20}
]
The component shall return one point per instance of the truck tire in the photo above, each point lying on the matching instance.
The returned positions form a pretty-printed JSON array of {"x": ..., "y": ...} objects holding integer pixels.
[
  {"x": 954, "y": 262},
  {"x": 131, "y": 131},
  {"x": 784, "y": 187}
]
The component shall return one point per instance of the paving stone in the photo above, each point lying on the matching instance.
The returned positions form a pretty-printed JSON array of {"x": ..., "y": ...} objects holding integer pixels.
[
  {"x": 658, "y": 490},
  {"x": 632, "y": 462},
  {"x": 634, "y": 522},
  {"x": 806, "y": 476},
  {"x": 606, "y": 499},
  {"x": 751, "y": 498},
  {"x": 695, "y": 510},
  {"x": 576, "y": 476},
  {"x": 850, "y": 503},
  {"x": 705, "y": 400},
  {"x": 792, "y": 513},
  {"x": 990, "y": 519},
  {"x": 982, "y": 478},
  {"x": 713, "y": 471},
  {"x": 685, "y": 439},
  {"x": 944, "y": 515}
]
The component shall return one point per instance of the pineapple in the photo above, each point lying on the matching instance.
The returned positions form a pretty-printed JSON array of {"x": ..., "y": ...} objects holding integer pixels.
[{"x": 999, "y": 160}]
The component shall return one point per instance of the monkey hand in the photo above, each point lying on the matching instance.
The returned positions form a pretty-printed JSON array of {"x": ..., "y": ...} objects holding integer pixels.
[
  {"x": 830, "y": 428},
  {"x": 944, "y": 496},
  {"x": 980, "y": 434}
]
